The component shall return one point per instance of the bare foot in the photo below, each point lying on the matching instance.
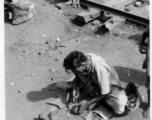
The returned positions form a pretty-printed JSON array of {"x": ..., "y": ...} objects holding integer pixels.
[{"x": 146, "y": 112}]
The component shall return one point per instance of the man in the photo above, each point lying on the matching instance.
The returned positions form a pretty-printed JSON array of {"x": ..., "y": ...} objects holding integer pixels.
[
  {"x": 145, "y": 49},
  {"x": 99, "y": 79}
]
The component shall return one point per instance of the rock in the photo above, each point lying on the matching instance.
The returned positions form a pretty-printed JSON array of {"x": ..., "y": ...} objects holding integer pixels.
[
  {"x": 47, "y": 42},
  {"x": 75, "y": 30},
  {"x": 20, "y": 91},
  {"x": 77, "y": 40},
  {"x": 56, "y": 59},
  {"x": 98, "y": 36},
  {"x": 127, "y": 9},
  {"x": 41, "y": 52},
  {"x": 20, "y": 57},
  {"x": 138, "y": 4},
  {"x": 51, "y": 79},
  {"x": 58, "y": 39},
  {"x": 44, "y": 36},
  {"x": 12, "y": 84},
  {"x": 96, "y": 22},
  {"x": 11, "y": 29},
  {"x": 131, "y": 26},
  {"x": 35, "y": 60},
  {"x": 32, "y": 75}
]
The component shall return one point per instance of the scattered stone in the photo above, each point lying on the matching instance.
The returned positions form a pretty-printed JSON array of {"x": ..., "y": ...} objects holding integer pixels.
[
  {"x": 51, "y": 79},
  {"x": 75, "y": 30},
  {"x": 98, "y": 36},
  {"x": 23, "y": 51},
  {"x": 138, "y": 4},
  {"x": 32, "y": 75},
  {"x": 127, "y": 9},
  {"x": 12, "y": 84},
  {"x": 47, "y": 42},
  {"x": 20, "y": 91},
  {"x": 20, "y": 57},
  {"x": 61, "y": 46},
  {"x": 44, "y": 36},
  {"x": 77, "y": 40},
  {"x": 41, "y": 52},
  {"x": 56, "y": 59},
  {"x": 131, "y": 26},
  {"x": 58, "y": 39},
  {"x": 96, "y": 22},
  {"x": 35, "y": 60}
]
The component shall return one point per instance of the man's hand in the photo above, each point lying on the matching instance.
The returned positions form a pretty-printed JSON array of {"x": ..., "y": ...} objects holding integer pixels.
[{"x": 81, "y": 107}]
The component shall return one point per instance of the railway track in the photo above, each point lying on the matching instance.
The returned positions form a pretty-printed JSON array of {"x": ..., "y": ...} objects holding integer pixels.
[{"x": 126, "y": 15}]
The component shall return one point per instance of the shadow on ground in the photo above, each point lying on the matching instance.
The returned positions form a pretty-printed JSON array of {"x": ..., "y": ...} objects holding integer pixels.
[
  {"x": 131, "y": 75},
  {"x": 45, "y": 93},
  {"x": 136, "y": 38}
]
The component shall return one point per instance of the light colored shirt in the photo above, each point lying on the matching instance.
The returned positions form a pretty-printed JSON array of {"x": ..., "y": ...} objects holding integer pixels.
[{"x": 100, "y": 77}]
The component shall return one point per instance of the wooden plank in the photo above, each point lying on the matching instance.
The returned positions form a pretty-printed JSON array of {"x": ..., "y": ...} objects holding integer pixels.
[
  {"x": 114, "y": 22},
  {"x": 87, "y": 16}
]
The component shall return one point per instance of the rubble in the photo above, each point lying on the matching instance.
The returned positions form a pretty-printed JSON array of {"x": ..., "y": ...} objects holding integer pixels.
[
  {"x": 44, "y": 36},
  {"x": 58, "y": 39},
  {"x": 115, "y": 21},
  {"x": 138, "y": 4},
  {"x": 96, "y": 22},
  {"x": 41, "y": 52},
  {"x": 20, "y": 57},
  {"x": 20, "y": 91},
  {"x": 12, "y": 84}
]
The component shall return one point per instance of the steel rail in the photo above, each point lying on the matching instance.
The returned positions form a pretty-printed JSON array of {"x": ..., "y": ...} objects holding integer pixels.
[{"x": 129, "y": 16}]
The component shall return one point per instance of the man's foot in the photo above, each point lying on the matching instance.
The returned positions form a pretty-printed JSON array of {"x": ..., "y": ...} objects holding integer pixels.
[{"x": 146, "y": 112}]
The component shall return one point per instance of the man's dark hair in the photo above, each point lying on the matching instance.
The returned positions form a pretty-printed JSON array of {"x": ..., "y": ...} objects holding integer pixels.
[{"x": 73, "y": 60}]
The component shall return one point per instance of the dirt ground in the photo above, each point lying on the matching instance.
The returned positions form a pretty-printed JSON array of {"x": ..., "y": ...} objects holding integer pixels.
[{"x": 34, "y": 64}]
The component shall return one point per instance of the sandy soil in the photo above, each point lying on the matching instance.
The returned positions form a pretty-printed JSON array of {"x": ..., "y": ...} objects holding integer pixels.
[{"x": 34, "y": 65}]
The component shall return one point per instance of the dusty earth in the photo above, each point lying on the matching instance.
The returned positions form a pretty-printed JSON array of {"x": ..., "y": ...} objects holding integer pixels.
[{"x": 34, "y": 63}]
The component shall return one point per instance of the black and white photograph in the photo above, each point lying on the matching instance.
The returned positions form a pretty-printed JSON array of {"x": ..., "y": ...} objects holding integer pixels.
[{"x": 76, "y": 60}]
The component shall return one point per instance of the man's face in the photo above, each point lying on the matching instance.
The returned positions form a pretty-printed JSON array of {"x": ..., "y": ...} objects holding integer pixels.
[{"x": 81, "y": 69}]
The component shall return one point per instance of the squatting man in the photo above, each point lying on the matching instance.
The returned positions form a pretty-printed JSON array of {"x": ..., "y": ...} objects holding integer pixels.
[{"x": 100, "y": 81}]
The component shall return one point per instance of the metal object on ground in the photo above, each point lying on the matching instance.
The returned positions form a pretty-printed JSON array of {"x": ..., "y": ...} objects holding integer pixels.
[
  {"x": 46, "y": 115},
  {"x": 126, "y": 15}
]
